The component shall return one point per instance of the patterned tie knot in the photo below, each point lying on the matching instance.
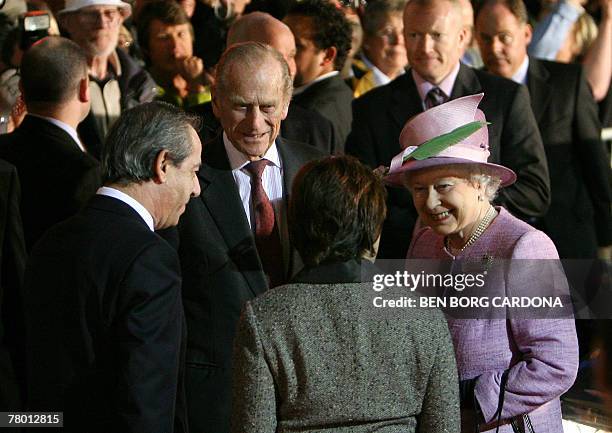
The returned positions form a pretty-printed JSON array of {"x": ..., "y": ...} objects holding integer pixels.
[
  {"x": 435, "y": 97},
  {"x": 256, "y": 168}
]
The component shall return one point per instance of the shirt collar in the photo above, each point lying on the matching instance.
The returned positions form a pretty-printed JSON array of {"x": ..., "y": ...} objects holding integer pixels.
[
  {"x": 380, "y": 78},
  {"x": 446, "y": 85},
  {"x": 238, "y": 159},
  {"x": 131, "y": 202},
  {"x": 301, "y": 89},
  {"x": 115, "y": 63},
  {"x": 520, "y": 76},
  {"x": 64, "y": 126}
]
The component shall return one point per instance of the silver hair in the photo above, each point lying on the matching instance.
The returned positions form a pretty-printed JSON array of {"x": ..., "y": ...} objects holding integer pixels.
[
  {"x": 139, "y": 135},
  {"x": 476, "y": 174},
  {"x": 251, "y": 56}
]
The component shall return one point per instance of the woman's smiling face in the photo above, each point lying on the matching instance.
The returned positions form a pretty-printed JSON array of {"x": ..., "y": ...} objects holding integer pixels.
[{"x": 446, "y": 200}]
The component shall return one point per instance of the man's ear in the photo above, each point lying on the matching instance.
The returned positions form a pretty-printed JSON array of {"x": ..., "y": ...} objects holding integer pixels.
[
  {"x": 528, "y": 33},
  {"x": 160, "y": 167},
  {"x": 215, "y": 102},
  {"x": 330, "y": 56},
  {"x": 84, "y": 90},
  {"x": 285, "y": 110},
  {"x": 464, "y": 38}
]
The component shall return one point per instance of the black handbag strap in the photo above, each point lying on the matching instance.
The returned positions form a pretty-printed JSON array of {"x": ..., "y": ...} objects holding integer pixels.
[{"x": 516, "y": 427}]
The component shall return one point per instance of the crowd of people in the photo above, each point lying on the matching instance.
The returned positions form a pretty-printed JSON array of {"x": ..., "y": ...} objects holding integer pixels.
[{"x": 196, "y": 197}]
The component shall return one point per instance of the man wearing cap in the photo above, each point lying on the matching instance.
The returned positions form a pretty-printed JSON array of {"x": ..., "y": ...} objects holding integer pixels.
[
  {"x": 116, "y": 80},
  {"x": 435, "y": 39},
  {"x": 578, "y": 220}
]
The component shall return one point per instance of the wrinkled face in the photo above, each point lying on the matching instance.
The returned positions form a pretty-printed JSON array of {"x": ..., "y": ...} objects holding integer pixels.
[
  {"x": 308, "y": 58},
  {"x": 386, "y": 48},
  {"x": 435, "y": 39},
  {"x": 502, "y": 39},
  {"x": 95, "y": 29},
  {"x": 252, "y": 107},
  {"x": 181, "y": 184},
  {"x": 445, "y": 200},
  {"x": 169, "y": 44}
]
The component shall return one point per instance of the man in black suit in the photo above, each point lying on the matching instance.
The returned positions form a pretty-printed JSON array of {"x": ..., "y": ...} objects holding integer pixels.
[
  {"x": 104, "y": 316},
  {"x": 435, "y": 40},
  {"x": 578, "y": 220},
  {"x": 301, "y": 124},
  {"x": 323, "y": 40},
  {"x": 12, "y": 264},
  {"x": 57, "y": 176},
  {"x": 225, "y": 257}
]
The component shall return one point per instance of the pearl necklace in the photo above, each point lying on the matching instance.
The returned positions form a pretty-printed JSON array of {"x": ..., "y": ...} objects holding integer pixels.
[{"x": 484, "y": 223}]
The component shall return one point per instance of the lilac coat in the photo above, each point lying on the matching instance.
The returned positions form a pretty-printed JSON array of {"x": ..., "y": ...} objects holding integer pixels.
[{"x": 542, "y": 354}]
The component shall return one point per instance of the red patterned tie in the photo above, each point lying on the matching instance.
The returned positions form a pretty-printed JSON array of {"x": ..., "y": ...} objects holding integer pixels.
[
  {"x": 434, "y": 98},
  {"x": 267, "y": 237}
]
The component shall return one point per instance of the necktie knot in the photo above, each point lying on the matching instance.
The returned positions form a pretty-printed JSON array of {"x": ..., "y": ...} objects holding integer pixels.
[
  {"x": 256, "y": 168},
  {"x": 434, "y": 98}
]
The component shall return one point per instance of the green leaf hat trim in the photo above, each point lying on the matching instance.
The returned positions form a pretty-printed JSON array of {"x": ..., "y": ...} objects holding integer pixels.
[{"x": 437, "y": 144}]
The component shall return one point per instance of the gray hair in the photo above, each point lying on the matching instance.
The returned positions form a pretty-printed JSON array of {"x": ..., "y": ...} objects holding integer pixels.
[
  {"x": 251, "y": 56},
  {"x": 139, "y": 135},
  {"x": 376, "y": 12},
  {"x": 475, "y": 174}
]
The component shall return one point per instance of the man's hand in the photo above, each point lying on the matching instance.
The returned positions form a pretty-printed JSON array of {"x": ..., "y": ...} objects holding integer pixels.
[{"x": 192, "y": 70}]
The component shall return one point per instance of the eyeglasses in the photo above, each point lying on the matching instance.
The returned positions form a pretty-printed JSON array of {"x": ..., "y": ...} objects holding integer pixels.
[
  {"x": 390, "y": 33},
  {"x": 111, "y": 16},
  {"x": 503, "y": 37}
]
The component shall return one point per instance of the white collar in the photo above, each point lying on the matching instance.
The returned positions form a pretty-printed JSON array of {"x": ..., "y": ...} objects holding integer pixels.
[
  {"x": 520, "y": 76},
  {"x": 238, "y": 159},
  {"x": 64, "y": 126},
  {"x": 131, "y": 202},
  {"x": 380, "y": 78},
  {"x": 302, "y": 88}
]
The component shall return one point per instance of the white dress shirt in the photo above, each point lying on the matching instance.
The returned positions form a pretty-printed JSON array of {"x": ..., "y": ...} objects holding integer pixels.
[
  {"x": 520, "y": 76},
  {"x": 302, "y": 88},
  {"x": 131, "y": 202}
]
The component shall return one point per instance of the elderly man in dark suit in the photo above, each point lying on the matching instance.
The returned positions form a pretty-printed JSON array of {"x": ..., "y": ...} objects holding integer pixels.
[
  {"x": 301, "y": 124},
  {"x": 234, "y": 238},
  {"x": 12, "y": 264},
  {"x": 57, "y": 176},
  {"x": 323, "y": 40},
  {"x": 435, "y": 40},
  {"x": 578, "y": 220},
  {"x": 104, "y": 316}
]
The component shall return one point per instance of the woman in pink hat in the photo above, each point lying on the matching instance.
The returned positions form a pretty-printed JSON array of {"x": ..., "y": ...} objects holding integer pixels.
[{"x": 511, "y": 371}]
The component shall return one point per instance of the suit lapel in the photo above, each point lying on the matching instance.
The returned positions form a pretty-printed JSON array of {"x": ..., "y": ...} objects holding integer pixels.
[
  {"x": 405, "y": 101},
  {"x": 466, "y": 83},
  {"x": 291, "y": 165},
  {"x": 220, "y": 196},
  {"x": 540, "y": 91}
]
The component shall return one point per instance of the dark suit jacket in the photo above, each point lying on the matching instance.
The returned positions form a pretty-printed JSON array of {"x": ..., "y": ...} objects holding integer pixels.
[
  {"x": 578, "y": 219},
  {"x": 57, "y": 178},
  {"x": 332, "y": 98},
  {"x": 105, "y": 323},
  {"x": 221, "y": 271},
  {"x": 12, "y": 264},
  {"x": 302, "y": 125},
  {"x": 514, "y": 141}
]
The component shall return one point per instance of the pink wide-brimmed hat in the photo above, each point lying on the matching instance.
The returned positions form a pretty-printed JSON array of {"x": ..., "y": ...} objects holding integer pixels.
[{"x": 451, "y": 133}]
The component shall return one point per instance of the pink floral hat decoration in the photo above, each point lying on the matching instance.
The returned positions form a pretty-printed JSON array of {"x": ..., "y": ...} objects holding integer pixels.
[{"x": 451, "y": 133}]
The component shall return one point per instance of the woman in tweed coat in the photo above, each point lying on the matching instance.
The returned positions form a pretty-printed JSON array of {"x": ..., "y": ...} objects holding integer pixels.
[
  {"x": 452, "y": 190},
  {"x": 315, "y": 355}
]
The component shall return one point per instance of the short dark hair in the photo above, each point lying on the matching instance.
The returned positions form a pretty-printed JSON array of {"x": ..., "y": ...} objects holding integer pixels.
[
  {"x": 336, "y": 210},
  {"x": 376, "y": 11},
  {"x": 330, "y": 27},
  {"x": 51, "y": 71},
  {"x": 139, "y": 135},
  {"x": 516, "y": 7},
  {"x": 168, "y": 12}
]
